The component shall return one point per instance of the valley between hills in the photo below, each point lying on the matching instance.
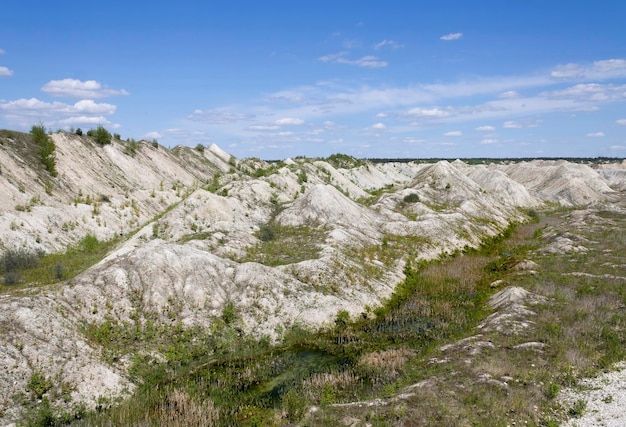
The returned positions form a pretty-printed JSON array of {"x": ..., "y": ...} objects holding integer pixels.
[{"x": 150, "y": 286}]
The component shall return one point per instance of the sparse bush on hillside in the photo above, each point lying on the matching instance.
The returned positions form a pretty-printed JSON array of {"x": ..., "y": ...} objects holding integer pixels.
[
  {"x": 229, "y": 313},
  {"x": 15, "y": 260},
  {"x": 79, "y": 132},
  {"x": 100, "y": 135},
  {"x": 411, "y": 198},
  {"x": 46, "y": 148},
  {"x": 131, "y": 147},
  {"x": 89, "y": 243},
  {"x": 200, "y": 148},
  {"x": 266, "y": 233}
]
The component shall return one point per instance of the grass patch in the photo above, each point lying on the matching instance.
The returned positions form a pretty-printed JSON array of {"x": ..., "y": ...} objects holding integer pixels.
[
  {"x": 52, "y": 268},
  {"x": 282, "y": 245}
]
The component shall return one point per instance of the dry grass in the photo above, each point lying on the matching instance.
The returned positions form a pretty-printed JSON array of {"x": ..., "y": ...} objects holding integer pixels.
[
  {"x": 384, "y": 366},
  {"x": 181, "y": 410}
]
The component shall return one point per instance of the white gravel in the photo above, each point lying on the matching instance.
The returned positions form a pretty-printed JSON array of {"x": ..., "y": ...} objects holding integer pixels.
[{"x": 605, "y": 398}]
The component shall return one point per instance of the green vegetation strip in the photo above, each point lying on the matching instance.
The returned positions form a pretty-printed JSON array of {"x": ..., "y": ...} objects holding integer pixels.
[{"x": 23, "y": 267}]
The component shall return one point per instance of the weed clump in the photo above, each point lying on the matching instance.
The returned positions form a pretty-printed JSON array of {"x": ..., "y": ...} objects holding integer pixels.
[{"x": 13, "y": 261}]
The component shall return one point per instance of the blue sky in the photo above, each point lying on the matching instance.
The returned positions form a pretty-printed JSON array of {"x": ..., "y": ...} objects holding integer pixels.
[{"x": 279, "y": 79}]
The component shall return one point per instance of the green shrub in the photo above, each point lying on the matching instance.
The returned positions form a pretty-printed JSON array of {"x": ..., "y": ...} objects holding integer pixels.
[
  {"x": 131, "y": 148},
  {"x": 11, "y": 278},
  {"x": 79, "y": 132},
  {"x": 18, "y": 259},
  {"x": 411, "y": 198},
  {"x": 38, "y": 384},
  {"x": 267, "y": 233},
  {"x": 100, "y": 135},
  {"x": 89, "y": 243},
  {"x": 552, "y": 391},
  {"x": 46, "y": 148},
  {"x": 229, "y": 313}
]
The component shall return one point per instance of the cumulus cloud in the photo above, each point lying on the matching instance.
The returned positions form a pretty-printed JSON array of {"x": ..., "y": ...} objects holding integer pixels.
[
  {"x": 289, "y": 121},
  {"x": 381, "y": 115},
  {"x": 388, "y": 43},
  {"x": 378, "y": 126},
  {"x": 369, "y": 61},
  {"x": 621, "y": 122},
  {"x": 489, "y": 141},
  {"x": 89, "y": 106},
  {"x": 486, "y": 128},
  {"x": 84, "y": 120},
  {"x": 34, "y": 105},
  {"x": 453, "y": 133},
  {"x": 5, "y": 72},
  {"x": 432, "y": 112},
  {"x": 451, "y": 36},
  {"x": 595, "y": 134},
  {"x": 217, "y": 116},
  {"x": 618, "y": 147},
  {"x": 73, "y": 88}
]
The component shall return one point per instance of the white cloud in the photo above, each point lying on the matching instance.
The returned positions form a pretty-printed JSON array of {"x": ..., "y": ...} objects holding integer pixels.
[
  {"x": 594, "y": 92},
  {"x": 618, "y": 147},
  {"x": 369, "y": 61},
  {"x": 510, "y": 124},
  {"x": 595, "y": 134},
  {"x": 621, "y": 122},
  {"x": 378, "y": 126},
  {"x": 509, "y": 94},
  {"x": 289, "y": 121},
  {"x": 84, "y": 120},
  {"x": 451, "y": 36},
  {"x": 73, "y": 88},
  {"x": 152, "y": 135},
  {"x": 381, "y": 115},
  {"x": 263, "y": 127},
  {"x": 603, "y": 69},
  {"x": 433, "y": 112},
  {"x": 388, "y": 43},
  {"x": 486, "y": 128},
  {"x": 217, "y": 116},
  {"x": 489, "y": 141},
  {"x": 89, "y": 106},
  {"x": 412, "y": 140},
  {"x": 2, "y": 52},
  {"x": 453, "y": 133},
  {"x": 5, "y": 72},
  {"x": 35, "y": 106}
]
